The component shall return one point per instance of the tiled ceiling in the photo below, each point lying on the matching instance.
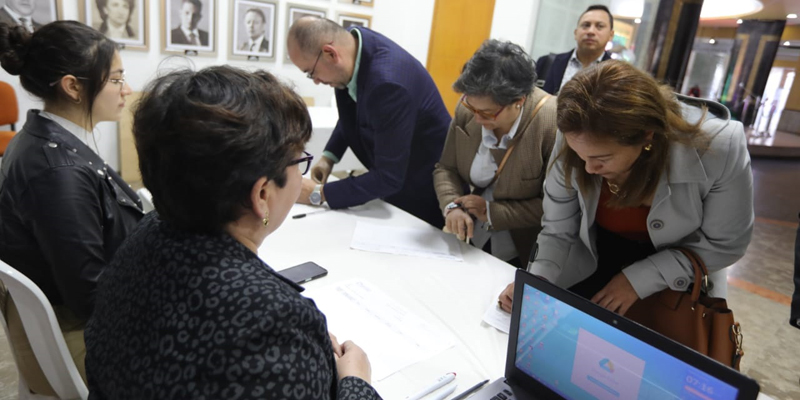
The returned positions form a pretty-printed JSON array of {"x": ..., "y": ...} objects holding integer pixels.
[{"x": 773, "y": 9}]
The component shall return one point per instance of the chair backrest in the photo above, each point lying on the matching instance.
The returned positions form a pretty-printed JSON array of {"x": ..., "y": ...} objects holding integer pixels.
[
  {"x": 44, "y": 334},
  {"x": 147, "y": 199},
  {"x": 5, "y": 138},
  {"x": 9, "y": 108}
]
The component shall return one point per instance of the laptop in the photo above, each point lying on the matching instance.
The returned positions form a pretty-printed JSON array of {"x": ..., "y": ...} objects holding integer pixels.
[{"x": 562, "y": 346}]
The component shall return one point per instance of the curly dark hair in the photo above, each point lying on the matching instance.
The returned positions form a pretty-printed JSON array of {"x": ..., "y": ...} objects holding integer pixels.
[
  {"x": 205, "y": 137},
  {"x": 500, "y": 70}
]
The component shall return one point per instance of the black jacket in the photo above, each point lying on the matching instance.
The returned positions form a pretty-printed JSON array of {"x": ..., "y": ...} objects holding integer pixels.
[
  {"x": 63, "y": 212},
  {"x": 189, "y": 316},
  {"x": 555, "y": 70}
]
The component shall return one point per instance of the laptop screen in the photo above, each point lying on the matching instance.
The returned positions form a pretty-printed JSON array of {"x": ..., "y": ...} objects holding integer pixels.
[{"x": 581, "y": 357}]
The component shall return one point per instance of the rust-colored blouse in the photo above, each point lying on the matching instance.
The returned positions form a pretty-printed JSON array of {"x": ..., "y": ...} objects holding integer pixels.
[{"x": 630, "y": 223}]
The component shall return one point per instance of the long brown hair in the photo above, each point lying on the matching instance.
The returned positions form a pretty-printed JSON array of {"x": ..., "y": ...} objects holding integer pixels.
[{"x": 616, "y": 101}]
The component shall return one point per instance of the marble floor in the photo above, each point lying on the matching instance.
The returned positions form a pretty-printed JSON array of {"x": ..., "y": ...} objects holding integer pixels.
[{"x": 760, "y": 287}]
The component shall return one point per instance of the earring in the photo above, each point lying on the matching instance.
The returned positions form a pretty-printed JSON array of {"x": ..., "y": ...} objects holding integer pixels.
[
  {"x": 648, "y": 147},
  {"x": 78, "y": 101},
  {"x": 265, "y": 220},
  {"x": 518, "y": 106}
]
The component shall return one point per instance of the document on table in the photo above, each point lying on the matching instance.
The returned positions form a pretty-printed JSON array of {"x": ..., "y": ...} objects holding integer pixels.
[
  {"x": 392, "y": 336},
  {"x": 409, "y": 241},
  {"x": 494, "y": 315}
]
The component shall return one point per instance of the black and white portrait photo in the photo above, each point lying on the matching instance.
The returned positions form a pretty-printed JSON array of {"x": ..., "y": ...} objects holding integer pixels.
[
  {"x": 121, "y": 20},
  {"x": 348, "y": 20},
  {"x": 31, "y": 14},
  {"x": 254, "y": 28},
  {"x": 190, "y": 25}
]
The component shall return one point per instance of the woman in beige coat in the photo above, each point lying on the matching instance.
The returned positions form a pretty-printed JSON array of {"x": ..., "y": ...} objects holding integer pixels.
[{"x": 501, "y": 115}]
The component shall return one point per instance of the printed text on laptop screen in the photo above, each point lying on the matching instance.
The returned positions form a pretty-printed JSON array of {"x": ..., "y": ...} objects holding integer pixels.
[{"x": 581, "y": 357}]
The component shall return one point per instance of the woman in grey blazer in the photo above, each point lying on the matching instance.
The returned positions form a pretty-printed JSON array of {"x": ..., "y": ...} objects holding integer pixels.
[
  {"x": 640, "y": 171},
  {"x": 502, "y": 216}
]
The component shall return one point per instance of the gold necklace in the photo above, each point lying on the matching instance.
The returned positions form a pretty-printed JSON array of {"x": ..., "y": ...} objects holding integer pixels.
[{"x": 613, "y": 188}]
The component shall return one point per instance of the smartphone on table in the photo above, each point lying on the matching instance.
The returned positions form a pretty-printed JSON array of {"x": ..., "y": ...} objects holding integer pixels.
[{"x": 304, "y": 272}]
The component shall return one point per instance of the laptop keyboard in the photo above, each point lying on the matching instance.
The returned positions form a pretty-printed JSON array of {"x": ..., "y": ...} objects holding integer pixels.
[{"x": 504, "y": 395}]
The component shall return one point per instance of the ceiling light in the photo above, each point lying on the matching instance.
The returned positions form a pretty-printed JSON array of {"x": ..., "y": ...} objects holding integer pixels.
[
  {"x": 718, "y": 9},
  {"x": 791, "y": 16},
  {"x": 637, "y": 21},
  {"x": 739, "y": 21},
  {"x": 786, "y": 43},
  {"x": 712, "y": 41}
]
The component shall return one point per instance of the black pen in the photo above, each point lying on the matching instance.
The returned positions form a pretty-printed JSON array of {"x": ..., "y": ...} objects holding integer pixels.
[
  {"x": 298, "y": 216},
  {"x": 470, "y": 391}
]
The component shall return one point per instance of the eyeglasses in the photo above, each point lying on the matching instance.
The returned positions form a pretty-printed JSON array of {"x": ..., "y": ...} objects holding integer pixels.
[
  {"x": 51, "y": 84},
  {"x": 120, "y": 81},
  {"x": 480, "y": 113},
  {"x": 306, "y": 159},
  {"x": 310, "y": 75}
]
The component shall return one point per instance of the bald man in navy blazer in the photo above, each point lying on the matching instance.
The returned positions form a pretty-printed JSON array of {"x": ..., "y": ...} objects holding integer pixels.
[{"x": 391, "y": 116}]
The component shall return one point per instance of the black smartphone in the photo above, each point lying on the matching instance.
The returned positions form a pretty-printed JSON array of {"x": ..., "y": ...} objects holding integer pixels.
[{"x": 304, "y": 272}]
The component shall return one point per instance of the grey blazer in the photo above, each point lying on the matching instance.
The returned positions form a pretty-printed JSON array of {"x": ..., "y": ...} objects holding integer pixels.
[{"x": 704, "y": 202}]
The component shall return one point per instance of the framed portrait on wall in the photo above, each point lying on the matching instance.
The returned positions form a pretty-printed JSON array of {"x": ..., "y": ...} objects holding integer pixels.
[
  {"x": 31, "y": 14},
  {"x": 187, "y": 26},
  {"x": 348, "y": 20},
  {"x": 124, "y": 21},
  {"x": 253, "y": 28},
  {"x": 366, "y": 3}
]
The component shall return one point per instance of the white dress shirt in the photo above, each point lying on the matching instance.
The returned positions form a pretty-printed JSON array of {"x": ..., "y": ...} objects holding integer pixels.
[
  {"x": 73, "y": 128},
  {"x": 574, "y": 65},
  {"x": 481, "y": 173}
]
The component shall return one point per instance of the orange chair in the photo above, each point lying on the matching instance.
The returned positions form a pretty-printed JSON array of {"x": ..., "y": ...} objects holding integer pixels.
[
  {"x": 9, "y": 109},
  {"x": 5, "y": 137}
]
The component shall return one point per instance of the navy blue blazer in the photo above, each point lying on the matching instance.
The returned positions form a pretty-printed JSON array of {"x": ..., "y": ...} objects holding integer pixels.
[
  {"x": 396, "y": 129},
  {"x": 555, "y": 74}
]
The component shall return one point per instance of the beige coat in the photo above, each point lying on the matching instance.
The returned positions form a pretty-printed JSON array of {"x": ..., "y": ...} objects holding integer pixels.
[{"x": 517, "y": 204}]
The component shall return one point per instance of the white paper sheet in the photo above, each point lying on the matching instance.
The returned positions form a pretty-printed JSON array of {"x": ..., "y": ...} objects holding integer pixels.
[
  {"x": 496, "y": 317},
  {"x": 418, "y": 242},
  {"x": 392, "y": 337}
]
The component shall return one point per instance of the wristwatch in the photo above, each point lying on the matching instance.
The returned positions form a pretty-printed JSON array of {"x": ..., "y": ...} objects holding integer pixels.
[
  {"x": 316, "y": 196},
  {"x": 450, "y": 207}
]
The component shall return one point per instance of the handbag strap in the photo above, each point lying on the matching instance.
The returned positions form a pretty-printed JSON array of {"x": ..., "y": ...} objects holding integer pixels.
[
  {"x": 700, "y": 272},
  {"x": 511, "y": 148}
]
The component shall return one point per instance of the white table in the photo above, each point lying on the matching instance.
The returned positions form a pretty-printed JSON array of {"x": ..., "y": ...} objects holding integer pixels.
[
  {"x": 449, "y": 294},
  {"x": 452, "y": 295}
]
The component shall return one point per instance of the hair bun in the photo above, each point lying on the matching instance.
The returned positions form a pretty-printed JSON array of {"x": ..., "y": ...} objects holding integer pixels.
[{"x": 14, "y": 45}]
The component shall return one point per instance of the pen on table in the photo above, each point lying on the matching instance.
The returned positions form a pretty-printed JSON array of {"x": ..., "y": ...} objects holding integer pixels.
[
  {"x": 303, "y": 215},
  {"x": 444, "y": 380},
  {"x": 470, "y": 391},
  {"x": 445, "y": 393}
]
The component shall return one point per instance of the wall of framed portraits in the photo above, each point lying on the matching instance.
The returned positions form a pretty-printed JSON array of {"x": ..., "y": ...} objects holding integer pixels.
[{"x": 159, "y": 35}]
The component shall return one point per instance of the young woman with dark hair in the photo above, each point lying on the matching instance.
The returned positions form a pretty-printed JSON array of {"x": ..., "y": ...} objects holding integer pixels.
[{"x": 63, "y": 210}]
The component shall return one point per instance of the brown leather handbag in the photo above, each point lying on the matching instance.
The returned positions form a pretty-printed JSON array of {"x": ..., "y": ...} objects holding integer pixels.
[{"x": 692, "y": 318}]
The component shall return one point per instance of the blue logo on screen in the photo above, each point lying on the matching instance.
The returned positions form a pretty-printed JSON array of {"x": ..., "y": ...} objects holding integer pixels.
[{"x": 607, "y": 365}]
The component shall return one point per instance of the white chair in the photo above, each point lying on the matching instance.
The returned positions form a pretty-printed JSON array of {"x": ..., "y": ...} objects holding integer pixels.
[
  {"x": 45, "y": 337},
  {"x": 147, "y": 200}
]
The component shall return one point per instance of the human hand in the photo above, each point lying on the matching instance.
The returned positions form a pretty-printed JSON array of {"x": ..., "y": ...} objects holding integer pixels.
[
  {"x": 337, "y": 348},
  {"x": 475, "y": 205},
  {"x": 353, "y": 362},
  {"x": 618, "y": 295},
  {"x": 321, "y": 170},
  {"x": 506, "y": 299},
  {"x": 305, "y": 191},
  {"x": 459, "y": 223}
]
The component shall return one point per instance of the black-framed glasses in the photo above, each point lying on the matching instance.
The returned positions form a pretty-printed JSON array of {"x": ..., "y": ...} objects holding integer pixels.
[
  {"x": 305, "y": 159},
  {"x": 310, "y": 75}
]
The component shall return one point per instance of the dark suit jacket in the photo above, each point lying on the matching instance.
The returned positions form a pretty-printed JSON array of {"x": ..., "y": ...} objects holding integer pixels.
[
  {"x": 264, "y": 48},
  {"x": 795, "y": 312},
  {"x": 7, "y": 18},
  {"x": 555, "y": 72},
  {"x": 397, "y": 130},
  {"x": 179, "y": 38}
]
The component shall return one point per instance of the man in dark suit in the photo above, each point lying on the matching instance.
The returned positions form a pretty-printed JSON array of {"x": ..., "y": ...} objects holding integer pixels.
[
  {"x": 595, "y": 29},
  {"x": 187, "y": 33},
  {"x": 390, "y": 114},
  {"x": 19, "y": 12},
  {"x": 256, "y": 22}
]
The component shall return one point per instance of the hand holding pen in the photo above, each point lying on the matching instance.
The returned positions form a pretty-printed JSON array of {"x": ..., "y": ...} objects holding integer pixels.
[{"x": 458, "y": 222}]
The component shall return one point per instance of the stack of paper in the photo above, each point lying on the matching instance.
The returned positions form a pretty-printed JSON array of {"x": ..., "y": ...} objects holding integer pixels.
[{"x": 419, "y": 242}]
